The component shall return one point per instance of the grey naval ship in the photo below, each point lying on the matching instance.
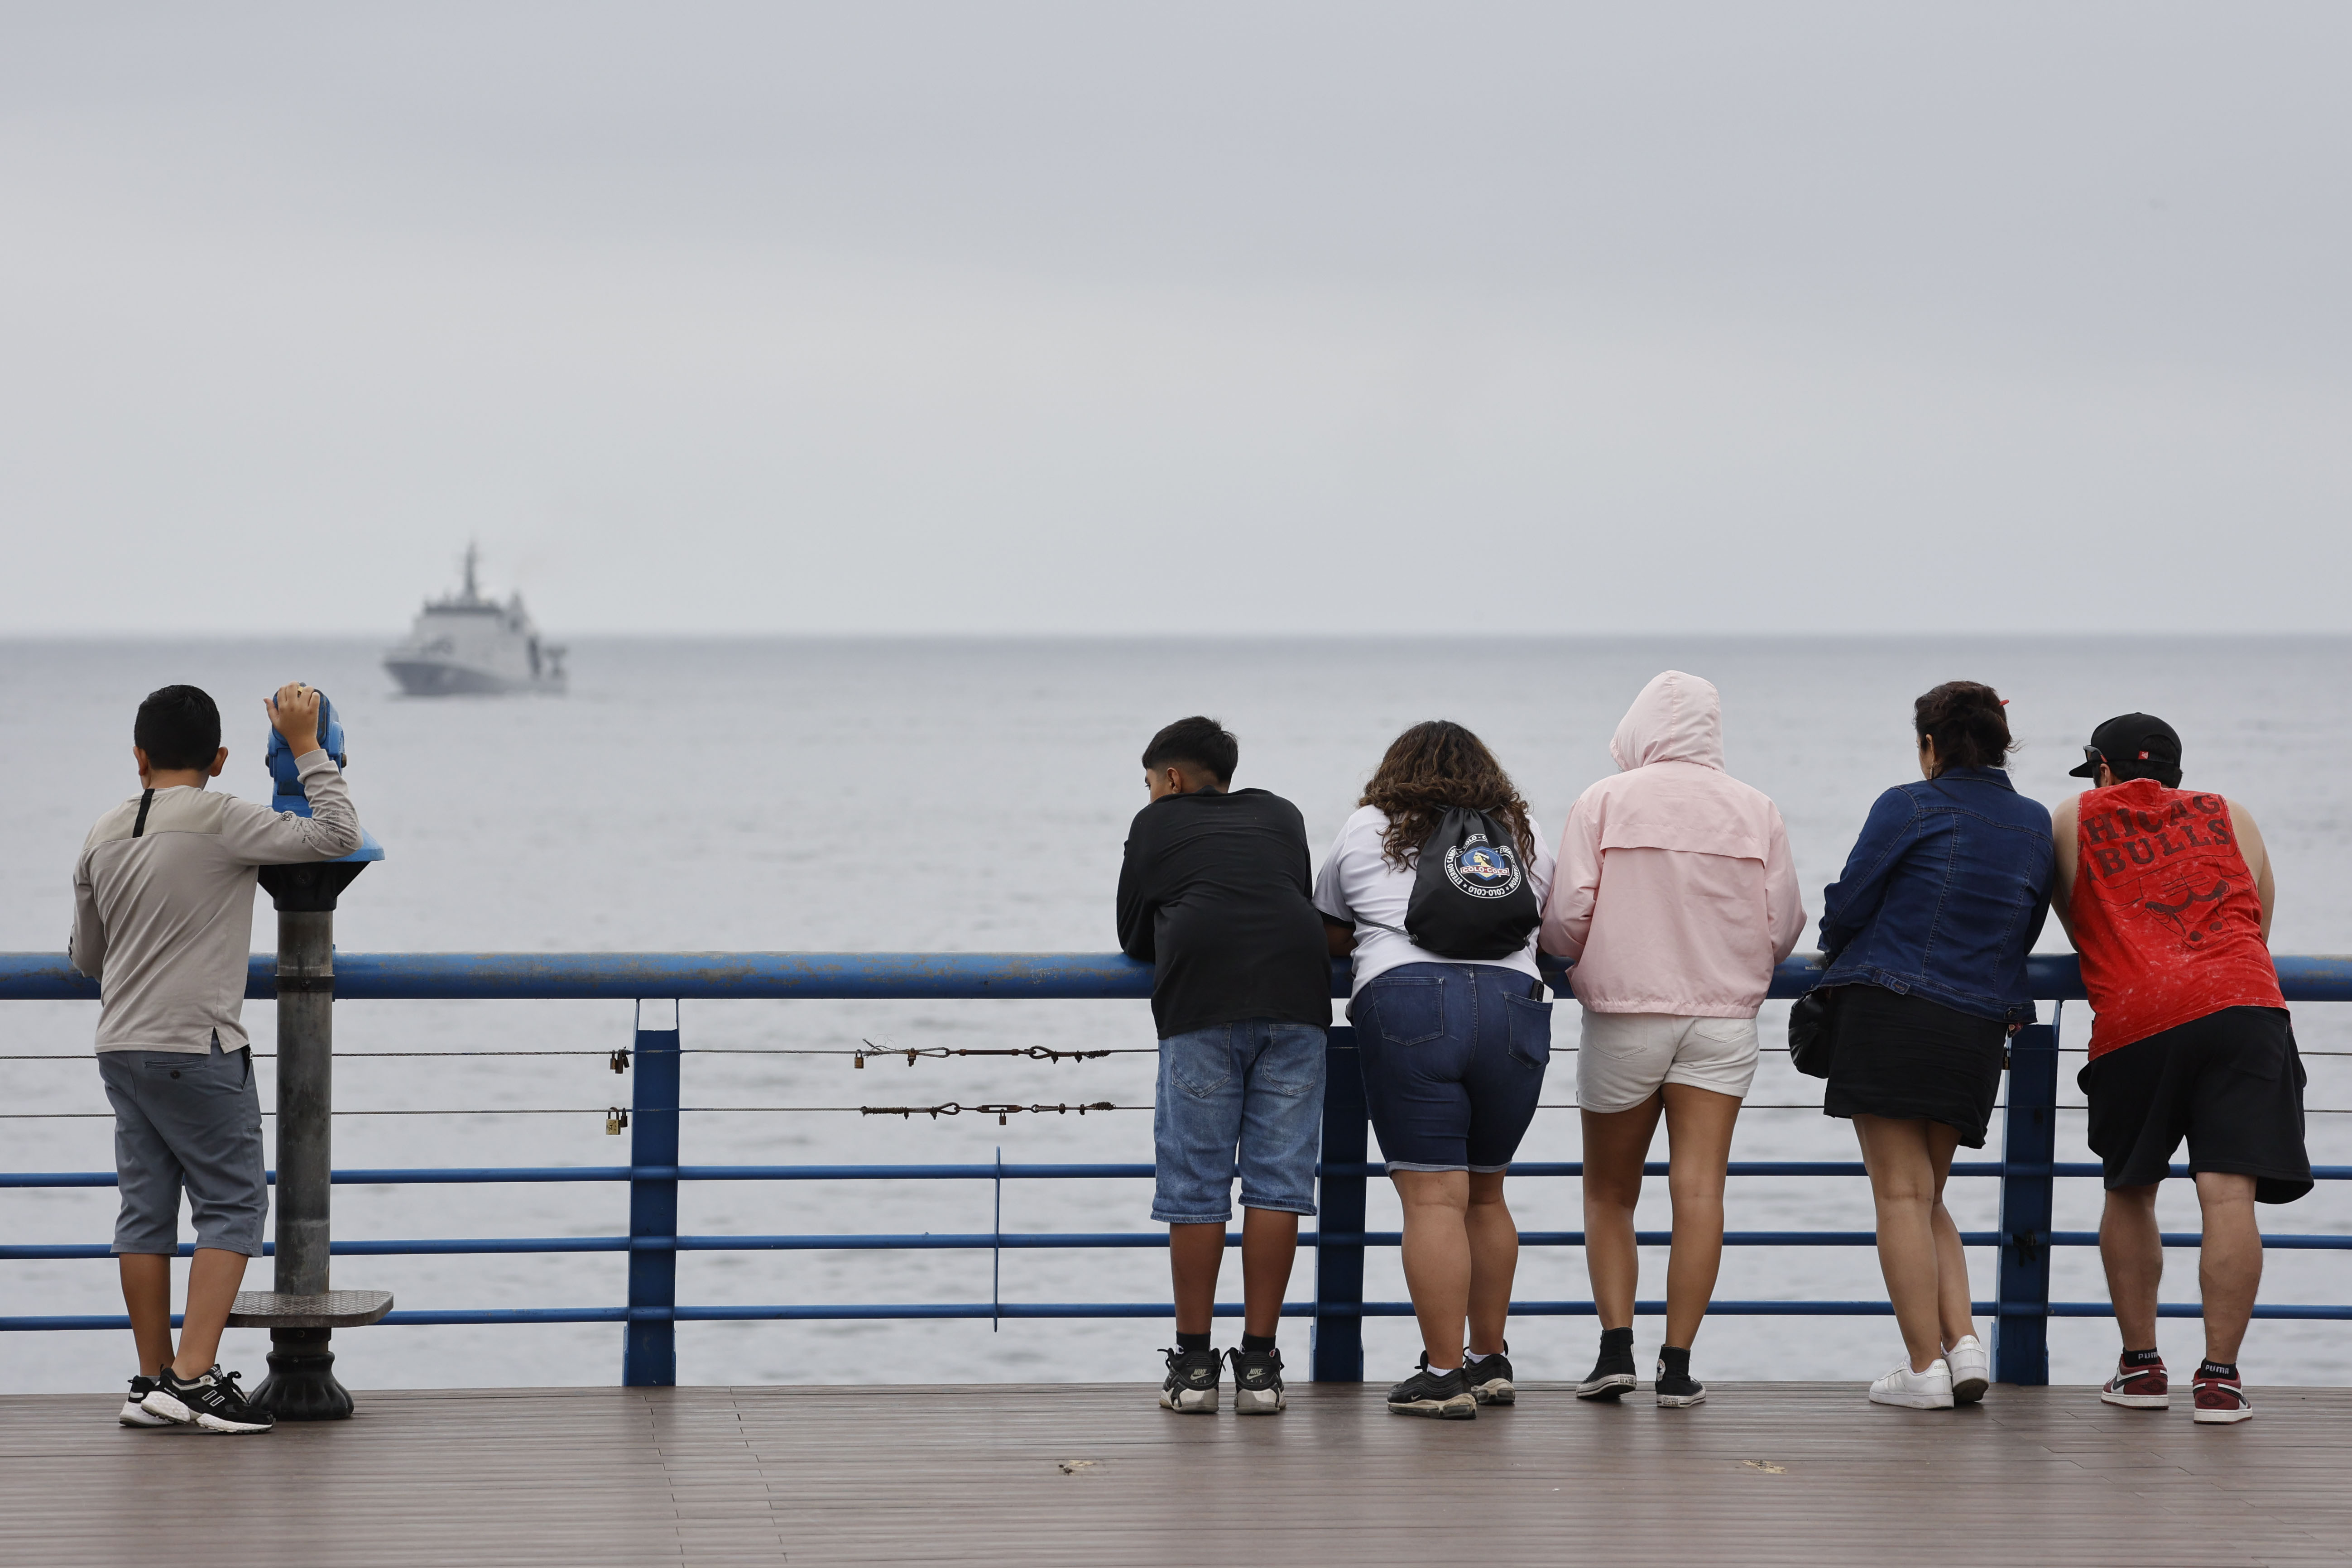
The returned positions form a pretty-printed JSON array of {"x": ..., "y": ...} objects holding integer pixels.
[{"x": 466, "y": 644}]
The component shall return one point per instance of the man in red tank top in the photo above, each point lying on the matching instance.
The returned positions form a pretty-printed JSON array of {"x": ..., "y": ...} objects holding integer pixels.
[{"x": 2167, "y": 895}]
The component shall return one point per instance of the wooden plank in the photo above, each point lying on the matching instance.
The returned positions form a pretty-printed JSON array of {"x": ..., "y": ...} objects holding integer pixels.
[{"x": 1796, "y": 1473}]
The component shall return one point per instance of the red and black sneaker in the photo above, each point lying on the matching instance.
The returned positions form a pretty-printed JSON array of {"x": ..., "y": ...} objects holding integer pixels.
[
  {"x": 2220, "y": 1400},
  {"x": 2139, "y": 1387}
]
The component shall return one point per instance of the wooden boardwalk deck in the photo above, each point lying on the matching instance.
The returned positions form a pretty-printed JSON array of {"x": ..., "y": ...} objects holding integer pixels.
[{"x": 1762, "y": 1474}]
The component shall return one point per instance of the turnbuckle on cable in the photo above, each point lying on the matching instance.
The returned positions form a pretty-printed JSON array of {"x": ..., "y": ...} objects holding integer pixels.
[
  {"x": 1035, "y": 1053},
  {"x": 949, "y": 1107}
]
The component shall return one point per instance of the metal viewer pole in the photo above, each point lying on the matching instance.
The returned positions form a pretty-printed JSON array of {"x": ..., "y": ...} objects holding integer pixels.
[{"x": 302, "y": 1385}]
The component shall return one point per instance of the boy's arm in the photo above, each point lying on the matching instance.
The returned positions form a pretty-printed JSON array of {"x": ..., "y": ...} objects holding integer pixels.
[
  {"x": 1135, "y": 912},
  {"x": 256, "y": 836},
  {"x": 86, "y": 948},
  {"x": 2258, "y": 861},
  {"x": 2066, "y": 848}
]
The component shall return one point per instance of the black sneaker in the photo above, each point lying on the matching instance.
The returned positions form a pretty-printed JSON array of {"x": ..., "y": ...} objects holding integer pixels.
[
  {"x": 1490, "y": 1378},
  {"x": 212, "y": 1401},
  {"x": 1258, "y": 1381},
  {"x": 1192, "y": 1385},
  {"x": 1445, "y": 1396},
  {"x": 1679, "y": 1388},
  {"x": 133, "y": 1413},
  {"x": 1613, "y": 1377}
]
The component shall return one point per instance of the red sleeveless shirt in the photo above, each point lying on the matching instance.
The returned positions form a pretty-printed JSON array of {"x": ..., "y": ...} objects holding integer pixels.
[{"x": 2165, "y": 913}]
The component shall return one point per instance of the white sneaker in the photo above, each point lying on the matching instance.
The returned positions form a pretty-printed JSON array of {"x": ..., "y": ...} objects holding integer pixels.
[
  {"x": 134, "y": 1413},
  {"x": 1971, "y": 1370},
  {"x": 1929, "y": 1390}
]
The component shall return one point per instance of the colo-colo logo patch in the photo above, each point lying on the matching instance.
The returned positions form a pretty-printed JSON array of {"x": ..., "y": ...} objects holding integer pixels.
[{"x": 1481, "y": 869}]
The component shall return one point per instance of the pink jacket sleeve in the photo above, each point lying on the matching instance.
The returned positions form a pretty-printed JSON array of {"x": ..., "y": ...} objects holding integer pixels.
[
  {"x": 1576, "y": 885},
  {"x": 1784, "y": 904}
]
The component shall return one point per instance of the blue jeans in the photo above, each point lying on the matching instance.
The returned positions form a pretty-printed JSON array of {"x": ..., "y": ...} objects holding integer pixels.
[
  {"x": 1453, "y": 1057},
  {"x": 1255, "y": 1087}
]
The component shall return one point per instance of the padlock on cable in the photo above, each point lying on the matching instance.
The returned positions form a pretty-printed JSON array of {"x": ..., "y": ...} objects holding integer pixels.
[{"x": 615, "y": 1120}]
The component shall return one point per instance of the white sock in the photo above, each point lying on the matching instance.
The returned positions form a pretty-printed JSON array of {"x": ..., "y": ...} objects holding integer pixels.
[{"x": 1474, "y": 1358}]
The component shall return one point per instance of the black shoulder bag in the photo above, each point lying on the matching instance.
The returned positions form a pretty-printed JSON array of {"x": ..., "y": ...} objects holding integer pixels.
[{"x": 1812, "y": 1030}]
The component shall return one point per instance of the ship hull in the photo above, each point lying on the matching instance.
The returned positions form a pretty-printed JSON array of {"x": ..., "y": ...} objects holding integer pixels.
[{"x": 447, "y": 678}]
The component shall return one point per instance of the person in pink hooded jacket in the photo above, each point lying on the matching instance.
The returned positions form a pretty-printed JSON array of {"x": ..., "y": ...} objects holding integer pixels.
[{"x": 1675, "y": 896}]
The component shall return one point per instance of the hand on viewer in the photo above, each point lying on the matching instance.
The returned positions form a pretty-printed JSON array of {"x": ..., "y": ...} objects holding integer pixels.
[{"x": 294, "y": 713}]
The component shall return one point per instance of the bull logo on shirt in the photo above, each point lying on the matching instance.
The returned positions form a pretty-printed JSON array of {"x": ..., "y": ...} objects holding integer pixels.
[
  {"x": 2190, "y": 906},
  {"x": 1482, "y": 869},
  {"x": 2184, "y": 912}
]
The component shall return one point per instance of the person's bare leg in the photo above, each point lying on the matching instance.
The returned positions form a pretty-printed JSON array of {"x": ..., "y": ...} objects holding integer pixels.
[
  {"x": 1902, "y": 1190},
  {"x": 2230, "y": 1261},
  {"x": 1699, "y": 1124},
  {"x": 147, "y": 1294},
  {"x": 1616, "y": 1145},
  {"x": 1494, "y": 1260},
  {"x": 1437, "y": 1259},
  {"x": 1195, "y": 1253},
  {"x": 2132, "y": 1249},
  {"x": 1956, "y": 1312},
  {"x": 213, "y": 1281},
  {"x": 1269, "y": 1246}
]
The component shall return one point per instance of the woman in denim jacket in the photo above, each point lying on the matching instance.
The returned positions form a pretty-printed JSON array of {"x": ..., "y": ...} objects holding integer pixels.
[{"x": 1925, "y": 934}]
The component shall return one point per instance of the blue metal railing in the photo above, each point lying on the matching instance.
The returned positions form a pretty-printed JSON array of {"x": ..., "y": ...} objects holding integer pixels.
[{"x": 2020, "y": 1309}]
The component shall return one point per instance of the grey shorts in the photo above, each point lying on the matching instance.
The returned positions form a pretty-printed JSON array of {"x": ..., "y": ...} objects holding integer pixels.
[{"x": 192, "y": 1122}]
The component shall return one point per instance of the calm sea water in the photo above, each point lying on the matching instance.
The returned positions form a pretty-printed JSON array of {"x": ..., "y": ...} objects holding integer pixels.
[{"x": 890, "y": 795}]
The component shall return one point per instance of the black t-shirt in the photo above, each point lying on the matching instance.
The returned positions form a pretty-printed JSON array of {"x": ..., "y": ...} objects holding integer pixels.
[{"x": 1215, "y": 892}]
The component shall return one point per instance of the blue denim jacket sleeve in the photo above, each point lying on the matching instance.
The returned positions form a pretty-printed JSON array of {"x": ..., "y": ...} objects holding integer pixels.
[{"x": 1848, "y": 904}]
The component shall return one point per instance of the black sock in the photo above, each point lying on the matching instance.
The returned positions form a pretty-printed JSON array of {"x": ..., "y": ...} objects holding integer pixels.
[
  {"x": 2210, "y": 1368},
  {"x": 1673, "y": 1361},
  {"x": 1257, "y": 1342},
  {"x": 2143, "y": 1358},
  {"x": 1617, "y": 1341},
  {"x": 1190, "y": 1342}
]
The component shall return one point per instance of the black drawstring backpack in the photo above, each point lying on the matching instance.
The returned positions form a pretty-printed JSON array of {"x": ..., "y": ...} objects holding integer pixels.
[{"x": 1470, "y": 897}]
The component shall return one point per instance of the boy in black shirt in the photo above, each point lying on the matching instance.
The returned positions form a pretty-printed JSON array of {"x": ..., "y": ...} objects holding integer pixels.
[{"x": 1216, "y": 891}]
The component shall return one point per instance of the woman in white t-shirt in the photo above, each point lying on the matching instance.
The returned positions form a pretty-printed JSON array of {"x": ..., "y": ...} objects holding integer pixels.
[{"x": 1453, "y": 1053}]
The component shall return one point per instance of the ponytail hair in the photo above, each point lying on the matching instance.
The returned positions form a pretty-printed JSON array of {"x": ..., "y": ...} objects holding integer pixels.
[{"x": 1968, "y": 723}]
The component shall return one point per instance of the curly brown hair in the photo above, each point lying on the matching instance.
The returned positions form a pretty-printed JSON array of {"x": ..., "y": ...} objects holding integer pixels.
[{"x": 1430, "y": 767}]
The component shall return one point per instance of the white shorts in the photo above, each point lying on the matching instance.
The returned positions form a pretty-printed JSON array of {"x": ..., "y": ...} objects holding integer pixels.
[{"x": 1624, "y": 1058}]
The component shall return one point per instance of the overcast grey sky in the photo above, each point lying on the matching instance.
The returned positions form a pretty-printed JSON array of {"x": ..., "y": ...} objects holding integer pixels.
[{"x": 1250, "y": 317}]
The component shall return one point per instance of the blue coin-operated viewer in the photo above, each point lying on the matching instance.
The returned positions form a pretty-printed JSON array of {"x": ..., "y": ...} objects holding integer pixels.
[{"x": 302, "y": 1314}]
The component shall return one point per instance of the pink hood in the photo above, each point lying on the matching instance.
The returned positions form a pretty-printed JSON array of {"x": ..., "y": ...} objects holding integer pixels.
[
  {"x": 1675, "y": 890},
  {"x": 1677, "y": 717}
]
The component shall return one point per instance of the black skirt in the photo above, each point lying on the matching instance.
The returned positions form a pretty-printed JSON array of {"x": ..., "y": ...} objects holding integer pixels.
[{"x": 1908, "y": 1058}]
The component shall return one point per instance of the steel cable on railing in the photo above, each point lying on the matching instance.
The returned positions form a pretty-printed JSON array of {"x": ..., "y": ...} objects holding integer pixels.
[
  {"x": 860, "y": 1054},
  {"x": 620, "y": 1114}
]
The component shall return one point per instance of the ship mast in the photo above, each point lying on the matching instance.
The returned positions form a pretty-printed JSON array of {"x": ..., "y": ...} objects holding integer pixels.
[{"x": 471, "y": 594}]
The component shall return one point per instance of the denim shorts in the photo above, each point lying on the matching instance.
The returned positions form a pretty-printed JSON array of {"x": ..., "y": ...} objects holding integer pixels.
[
  {"x": 1453, "y": 1057},
  {"x": 184, "y": 1122},
  {"x": 1255, "y": 1087}
]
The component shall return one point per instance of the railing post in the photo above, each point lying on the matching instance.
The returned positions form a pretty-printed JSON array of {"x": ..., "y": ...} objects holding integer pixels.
[
  {"x": 649, "y": 1354},
  {"x": 1339, "y": 1337},
  {"x": 2021, "y": 1334}
]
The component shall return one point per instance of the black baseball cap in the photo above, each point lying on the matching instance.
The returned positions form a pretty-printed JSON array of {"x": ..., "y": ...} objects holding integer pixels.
[{"x": 2134, "y": 746}]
